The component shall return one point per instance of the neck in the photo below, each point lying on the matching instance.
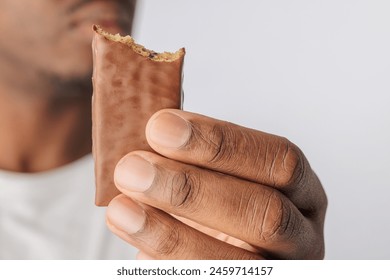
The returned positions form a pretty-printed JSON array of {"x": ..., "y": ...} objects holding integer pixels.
[{"x": 40, "y": 131}]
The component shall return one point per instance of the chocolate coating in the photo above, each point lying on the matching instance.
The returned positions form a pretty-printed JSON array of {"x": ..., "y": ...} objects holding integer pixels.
[{"x": 128, "y": 89}]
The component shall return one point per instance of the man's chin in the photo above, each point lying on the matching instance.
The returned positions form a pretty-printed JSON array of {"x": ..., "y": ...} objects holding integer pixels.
[{"x": 69, "y": 86}]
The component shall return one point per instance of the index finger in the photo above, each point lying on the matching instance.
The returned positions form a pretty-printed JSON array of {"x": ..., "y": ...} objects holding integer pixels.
[{"x": 231, "y": 149}]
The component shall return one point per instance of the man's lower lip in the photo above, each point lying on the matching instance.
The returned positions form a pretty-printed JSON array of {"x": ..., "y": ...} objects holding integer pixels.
[
  {"x": 107, "y": 14},
  {"x": 109, "y": 24}
]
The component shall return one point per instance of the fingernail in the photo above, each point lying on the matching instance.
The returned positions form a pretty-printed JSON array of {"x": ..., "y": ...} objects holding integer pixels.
[
  {"x": 124, "y": 214},
  {"x": 134, "y": 173},
  {"x": 169, "y": 130}
]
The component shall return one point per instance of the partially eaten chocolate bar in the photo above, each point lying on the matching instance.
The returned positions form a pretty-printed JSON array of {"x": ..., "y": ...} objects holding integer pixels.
[{"x": 130, "y": 84}]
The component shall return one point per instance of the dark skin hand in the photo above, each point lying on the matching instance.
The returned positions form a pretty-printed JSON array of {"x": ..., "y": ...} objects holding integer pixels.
[{"x": 231, "y": 193}]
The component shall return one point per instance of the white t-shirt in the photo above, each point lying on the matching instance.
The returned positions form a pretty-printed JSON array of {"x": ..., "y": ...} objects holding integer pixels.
[{"x": 51, "y": 215}]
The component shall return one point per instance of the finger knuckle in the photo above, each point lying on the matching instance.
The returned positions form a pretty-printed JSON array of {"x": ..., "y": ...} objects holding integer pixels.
[
  {"x": 169, "y": 242},
  {"x": 278, "y": 220},
  {"x": 271, "y": 217},
  {"x": 220, "y": 144},
  {"x": 287, "y": 164},
  {"x": 185, "y": 190}
]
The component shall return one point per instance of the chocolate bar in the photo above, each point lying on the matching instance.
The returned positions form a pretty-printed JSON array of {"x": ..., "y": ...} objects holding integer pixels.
[{"x": 130, "y": 84}]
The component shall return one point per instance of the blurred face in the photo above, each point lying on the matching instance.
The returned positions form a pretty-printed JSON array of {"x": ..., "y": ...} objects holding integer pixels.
[{"x": 54, "y": 36}]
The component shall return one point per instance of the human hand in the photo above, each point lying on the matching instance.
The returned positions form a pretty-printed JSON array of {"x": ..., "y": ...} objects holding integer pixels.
[{"x": 217, "y": 190}]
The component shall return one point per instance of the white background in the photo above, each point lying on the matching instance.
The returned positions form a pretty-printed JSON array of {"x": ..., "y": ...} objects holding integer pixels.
[{"x": 317, "y": 72}]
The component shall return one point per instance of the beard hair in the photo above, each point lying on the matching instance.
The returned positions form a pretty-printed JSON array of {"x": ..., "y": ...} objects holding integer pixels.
[
  {"x": 70, "y": 87},
  {"x": 65, "y": 91}
]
